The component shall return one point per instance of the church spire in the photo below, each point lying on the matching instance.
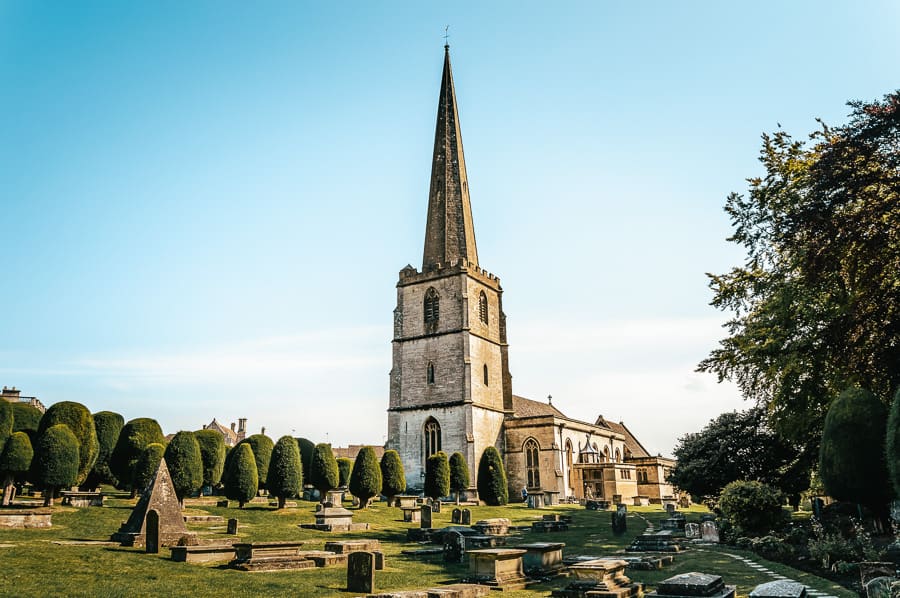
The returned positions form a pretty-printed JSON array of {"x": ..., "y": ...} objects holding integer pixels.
[{"x": 449, "y": 233}]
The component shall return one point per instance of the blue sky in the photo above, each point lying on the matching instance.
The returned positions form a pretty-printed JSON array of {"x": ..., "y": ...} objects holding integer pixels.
[{"x": 205, "y": 205}]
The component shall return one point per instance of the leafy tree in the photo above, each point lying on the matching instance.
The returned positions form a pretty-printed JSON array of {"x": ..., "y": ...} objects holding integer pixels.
[
  {"x": 737, "y": 446},
  {"x": 323, "y": 470},
  {"x": 437, "y": 476},
  {"x": 185, "y": 464},
  {"x": 243, "y": 478},
  {"x": 6, "y": 421},
  {"x": 753, "y": 507},
  {"x": 365, "y": 480},
  {"x": 55, "y": 462},
  {"x": 133, "y": 439},
  {"x": 15, "y": 459},
  {"x": 851, "y": 460},
  {"x": 816, "y": 302},
  {"x": 306, "y": 452},
  {"x": 345, "y": 468},
  {"x": 108, "y": 426},
  {"x": 26, "y": 418},
  {"x": 393, "y": 478},
  {"x": 81, "y": 423},
  {"x": 212, "y": 453},
  {"x": 146, "y": 465},
  {"x": 285, "y": 471},
  {"x": 459, "y": 474},
  {"x": 892, "y": 443},
  {"x": 492, "y": 485},
  {"x": 262, "y": 447}
]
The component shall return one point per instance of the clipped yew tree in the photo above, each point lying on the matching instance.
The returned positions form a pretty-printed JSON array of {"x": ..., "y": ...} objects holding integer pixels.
[
  {"x": 108, "y": 426},
  {"x": 81, "y": 423},
  {"x": 365, "y": 480},
  {"x": 852, "y": 454},
  {"x": 26, "y": 418},
  {"x": 212, "y": 454},
  {"x": 285, "y": 471},
  {"x": 133, "y": 439},
  {"x": 345, "y": 468},
  {"x": 306, "y": 452},
  {"x": 459, "y": 474},
  {"x": 393, "y": 478},
  {"x": 6, "y": 421},
  {"x": 242, "y": 479},
  {"x": 185, "y": 464},
  {"x": 15, "y": 460},
  {"x": 323, "y": 469},
  {"x": 437, "y": 476},
  {"x": 55, "y": 463},
  {"x": 146, "y": 465},
  {"x": 492, "y": 487},
  {"x": 262, "y": 447}
]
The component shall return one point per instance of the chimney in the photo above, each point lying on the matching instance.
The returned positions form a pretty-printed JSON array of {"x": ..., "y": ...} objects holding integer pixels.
[
  {"x": 232, "y": 426},
  {"x": 242, "y": 425}
]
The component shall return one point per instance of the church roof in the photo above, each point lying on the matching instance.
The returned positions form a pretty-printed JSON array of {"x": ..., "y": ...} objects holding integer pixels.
[
  {"x": 631, "y": 443},
  {"x": 523, "y": 407},
  {"x": 449, "y": 232}
]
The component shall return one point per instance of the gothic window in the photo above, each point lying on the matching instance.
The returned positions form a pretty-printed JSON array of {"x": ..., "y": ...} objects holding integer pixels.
[
  {"x": 532, "y": 464},
  {"x": 432, "y": 437},
  {"x": 483, "y": 308},
  {"x": 605, "y": 454},
  {"x": 429, "y": 376},
  {"x": 569, "y": 462},
  {"x": 485, "y": 375},
  {"x": 618, "y": 456},
  {"x": 432, "y": 306}
]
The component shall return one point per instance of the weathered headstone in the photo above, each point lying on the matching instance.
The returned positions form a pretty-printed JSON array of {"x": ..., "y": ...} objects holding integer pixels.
[
  {"x": 692, "y": 530},
  {"x": 779, "y": 589},
  {"x": 436, "y": 506},
  {"x": 709, "y": 532},
  {"x": 879, "y": 587},
  {"x": 456, "y": 516},
  {"x": 670, "y": 508},
  {"x": 232, "y": 527},
  {"x": 361, "y": 572},
  {"x": 425, "y": 521},
  {"x": 619, "y": 521},
  {"x": 466, "y": 518},
  {"x": 152, "y": 539},
  {"x": 454, "y": 547}
]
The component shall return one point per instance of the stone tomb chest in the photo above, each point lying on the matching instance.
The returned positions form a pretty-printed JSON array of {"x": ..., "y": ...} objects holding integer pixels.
[
  {"x": 694, "y": 585},
  {"x": 501, "y": 567},
  {"x": 542, "y": 558}
]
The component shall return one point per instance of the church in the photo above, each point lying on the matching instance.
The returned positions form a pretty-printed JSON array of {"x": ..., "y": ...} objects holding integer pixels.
[{"x": 450, "y": 382}]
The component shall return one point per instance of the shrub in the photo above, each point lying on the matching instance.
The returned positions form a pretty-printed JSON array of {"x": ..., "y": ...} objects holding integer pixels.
[
  {"x": 55, "y": 463},
  {"x": 831, "y": 547},
  {"x": 212, "y": 454},
  {"x": 437, "y": 476},
  {"x": 243, "y": 478},
  {"x": 323, "y": 469},
  {"x": 185, "y": 464},
  {"x": 14, "y": 461},
  {"x": 26, "y": 418},
  {"x": 79, "y": 420},
  {"x": 459, "y": 474},
  {"x": 306, "y": 452},
  {"x": 6, "y": 421},
  {"x": 135, "y": 436},
  {"x": 773, "y": 549},
  {"x": 393, "y": 478},
  {"x": 345, "y": 468},
  {"x": 492, "y": 485},
  {"x": 751, "y": 506},
  {"x": 262, "y": 447},
  {"x": 108, "y": 426},
  {"x": 365, "y": 480},
  {"x": 285, "y": 471}
]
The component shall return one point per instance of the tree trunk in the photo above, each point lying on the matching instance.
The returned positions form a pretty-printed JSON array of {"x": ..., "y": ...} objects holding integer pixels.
[
  {"x": 240, "y": 504},
  {"x": 281, "y": 501},
  {"x": 8, "y": 490},
  {"x": 49, "y": 494},
  {"x": 133, "y": 492}
]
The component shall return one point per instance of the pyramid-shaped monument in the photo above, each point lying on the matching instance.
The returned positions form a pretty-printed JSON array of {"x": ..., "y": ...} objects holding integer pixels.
[{"x": 159, "y": 499}]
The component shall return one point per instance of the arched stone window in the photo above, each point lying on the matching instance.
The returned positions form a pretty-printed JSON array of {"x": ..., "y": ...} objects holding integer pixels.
[
  {"x": 483, "y": 308},
  {"x": 532, "y": 464},
  {"x": 606, "y": 454},
  {"x": 485, "y": 375},
  {"x": 432, "y": 437},
  {"x": 618, "y": 456},
  {"x": 569, "y": 462},
  {"x": 429, "y": 375},
  {"x": 432, "y": 306}
]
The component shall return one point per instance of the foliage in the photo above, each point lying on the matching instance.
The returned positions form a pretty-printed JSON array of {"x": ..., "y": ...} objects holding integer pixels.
[
  {"x": 773, "y": 548},
  {"x": 737, "y": 446},
  {"x": 146, "y": 465},
  {"x": 892, "y": 443},
  {"x": 133, "y": 439},
  {"x": 365, "y": 480},
  {"x": 6, "y": 421},
  {"x": 212, "y": 454},
  {"x": 26, "y": 418},
  {"x": 185, "y": 464},
  {"x": 437, "y": 475},
  {"x": 323, "y": 469},
  {"x": 262, "y": 447},
  {"x": 345, "y": 468},
  {"x": 16, "y": 455},
  {"x": 752, "y": 506},
  {"x": 243, "y": 478},
  {"x": 393, "y": 478},
  {"x": 55, "y": 462},
  {"x": 492, "y": 485},
  {"x": 831, "y": 546},
  {"x": 816, "y": 303},
  {"x": 459, "y": 473},
  {"x": 285, "y": 477},
  {"x": 851, "y": 460},
  {"x": 108, "y": 426},
  {"x": 81, "y": 423},
  {"x": 306, "y": 452}
]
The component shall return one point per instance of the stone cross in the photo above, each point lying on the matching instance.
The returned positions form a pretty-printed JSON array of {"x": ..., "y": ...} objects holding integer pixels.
[
  {"x": 361, "y": 572},
  {"x": 425, "y": 521}
]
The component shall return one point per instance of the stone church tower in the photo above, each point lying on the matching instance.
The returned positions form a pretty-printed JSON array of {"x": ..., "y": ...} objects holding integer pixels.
[{"x": 450, "y": 382}]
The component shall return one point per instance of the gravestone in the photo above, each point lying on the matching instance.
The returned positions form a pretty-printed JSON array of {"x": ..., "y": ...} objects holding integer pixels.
[
  {"x": 779, "y": 589},
  {"x": 361, "y": 572},
  {"x": 456, "y": 516},
  {"x": 619, "y": 522},
  {"x": 602, "y": 578},
  {"x": 159, "y": 496},
  {"x": 425, "y": 521},
  {"x": 692, "y": 530},
  {"x": 232, "y": 527},
  {"x": 454, "y": 547},
  {"x": 466, "y": 518},
  {"x": 670, "y": 508},
  {"x": 436, "y": 506},
  {"x": 709, "y": 532},
  {"x": 152, "y": 541},
  {"x": 879, "y": 587},
  {"x": 693, "y": 584}
]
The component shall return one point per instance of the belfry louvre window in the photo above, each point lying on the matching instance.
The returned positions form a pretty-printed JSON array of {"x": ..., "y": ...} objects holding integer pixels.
[
  {"x": 432, "y": 306},
  {"x": 532, "y": 464},
  {"x": 483, "y": 308},
  {"x": 432, "y": 437},
  {"x": 485, "y": 375}
]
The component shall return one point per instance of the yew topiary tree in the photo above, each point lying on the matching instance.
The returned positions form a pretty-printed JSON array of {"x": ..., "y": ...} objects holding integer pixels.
[
  {"x": 323, "y": 469},
  {"x": 6, "y": 421},
  {"x": 753, "y": 507},
  {"x": 242, "y": 479},
  {"x": 212, "y": 454},
  {"x": 15, "y": 460},
  {"x": 365, "y": 480},
  {"x": 55, "y": 463},
  {"x": 459, "y": 474},
  {"x": 262, "y": 447},
  {"x": 185, "y": 464},
  {"x": 492, "y": 485},
  {"x": 345, "y": 468},
  {"x": 81, "y": 423},
  {"x": 108, "y": 426},
  {"x": 393, "y": 478},
  {"x": 285, "y": 471},
  {"x": 306, "y": 452},
  {"x": 133, "y": 439},
  {"x": 437, "y": 476},
  {"x": 851, "y": 456},
  {"x": 26, "y": 418},
  {"x": 146, "y": 465}
]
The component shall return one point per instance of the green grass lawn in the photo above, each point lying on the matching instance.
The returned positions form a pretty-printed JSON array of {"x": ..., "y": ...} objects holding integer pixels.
[{"x": 33, "y": 565}]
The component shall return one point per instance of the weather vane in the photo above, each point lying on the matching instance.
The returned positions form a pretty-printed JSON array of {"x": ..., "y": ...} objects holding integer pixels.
[{"x": 446, "y": 35}]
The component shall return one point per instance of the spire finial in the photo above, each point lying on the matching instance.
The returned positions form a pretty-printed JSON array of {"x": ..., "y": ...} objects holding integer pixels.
[{"x": 446, "y": 36}]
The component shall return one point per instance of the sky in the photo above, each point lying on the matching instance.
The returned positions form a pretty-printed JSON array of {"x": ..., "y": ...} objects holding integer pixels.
[{"x": 205, "y": 205}]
